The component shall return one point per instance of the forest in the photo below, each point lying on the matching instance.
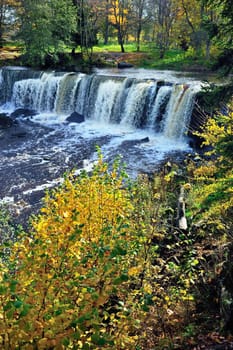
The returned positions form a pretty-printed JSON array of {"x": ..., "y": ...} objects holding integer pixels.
[
  {"x": 45, "y": 31},
  {"x": 112, "y": 262}
]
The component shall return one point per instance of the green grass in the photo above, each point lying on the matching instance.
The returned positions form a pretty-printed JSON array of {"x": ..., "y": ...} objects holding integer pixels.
[
  {"x": 115, "y": 47},
  {"x": 175, "y": 59}
]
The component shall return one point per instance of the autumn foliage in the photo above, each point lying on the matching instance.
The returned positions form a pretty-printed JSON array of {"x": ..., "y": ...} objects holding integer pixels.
[
  {"x": 66, "y": 284},
  {"x": 105, "y": 265}
]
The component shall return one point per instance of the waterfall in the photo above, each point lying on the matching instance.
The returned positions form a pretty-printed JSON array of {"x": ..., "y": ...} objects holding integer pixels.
[
  {"x": 140, "y": 103},
  {"x": 9, "y": 76},
  {"x": 178, "y": 111},
  {"x": 119, "y": 106},
  {"x": 105, "y": 100},
  {"x": 1, "y": 78},
  {"x": 135, "y": 104},
  {"x": 82, "y": 93},
  {"x": 67, "y": 86},
  {"x": 160, "y": 103},
  {"x": 38, "y": 94}
]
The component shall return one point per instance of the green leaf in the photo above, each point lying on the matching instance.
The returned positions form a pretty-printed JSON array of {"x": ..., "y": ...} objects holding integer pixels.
[
  {"x": 145, "y": 308},
  {"x": 82, "y": 319},
  {"x": 58, "y": 312},
  {"x": 195, "y": 262},
  {"x": 121, "y": 279},
  {"x": 2, "y": 290},
  {"x": 76, "y": 335},
  {"x": 13, "y": 285},
  {"x": 98, "y": 340},
  {"x": 17, "y": 304},
  {"x": 10, "y": 313},
  {"x": 25, "y": 310},
  {"x": 118, "y": 250},
  {"x": 66, "y": 342},
  {"x": 8, "y": 306},
  {"x": 86, "y": 346}
]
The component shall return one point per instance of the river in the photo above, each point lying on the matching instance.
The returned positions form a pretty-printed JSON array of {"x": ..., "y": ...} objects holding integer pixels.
[{"x": 142, "y": 116}]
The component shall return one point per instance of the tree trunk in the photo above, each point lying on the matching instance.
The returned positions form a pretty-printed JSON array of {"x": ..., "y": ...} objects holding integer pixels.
[
  {"x": 162, "y": 53},
  {"x": 138, "y": 36},
  {"x": 1, "y": 38},
  {"x": 106, "y": 24},
  {"x": 106, "y": 31},
  {"x": 120, "y": 40},
  {"x": 122, "y": 47},
  {"x": 208, "y": 43}
]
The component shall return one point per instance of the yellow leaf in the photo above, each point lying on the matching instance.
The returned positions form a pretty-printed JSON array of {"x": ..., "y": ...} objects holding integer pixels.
[{"x": 42, "y": 343}]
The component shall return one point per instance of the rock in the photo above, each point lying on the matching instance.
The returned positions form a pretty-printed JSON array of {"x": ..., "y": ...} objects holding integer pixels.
[
  {"x": 20, "y": 133},
  {"x": 135, "y": 142},
  {"x": 22, "y": 112},
  {"x": 75, "y": 117},
  {"x": 5, "y": 121},
  {"x": 124, "y": 65},
  {"x": 145, "y": 139}
]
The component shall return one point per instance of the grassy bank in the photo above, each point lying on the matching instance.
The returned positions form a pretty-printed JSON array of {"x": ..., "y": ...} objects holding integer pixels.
[
  {"x": 149, "y": 57},
  {"x": 110, "y": 55}
]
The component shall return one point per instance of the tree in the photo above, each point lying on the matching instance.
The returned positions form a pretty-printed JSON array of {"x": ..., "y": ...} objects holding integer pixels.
[
  {"x": 106, "y": 21},
  {"x": 7, "y": 19},
  {"x": 194, "y": 25},
  {"x": 45, "y": 27},
  {"x": 223, "y": 34},
  {"x": 119, "y": 19},
  {"x": 225, "y": 26},
  {"x": 88, "y": 12},
  {"x": 165, "y": 14},
  {"x": 139, "y": 10}
]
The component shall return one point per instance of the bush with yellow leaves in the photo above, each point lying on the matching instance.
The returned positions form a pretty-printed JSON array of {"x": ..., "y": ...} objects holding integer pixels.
[{"x": 66, "y": 284}]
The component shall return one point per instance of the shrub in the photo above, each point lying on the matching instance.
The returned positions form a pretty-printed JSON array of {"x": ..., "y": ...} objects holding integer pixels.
[{"x": 66, "y": 284}]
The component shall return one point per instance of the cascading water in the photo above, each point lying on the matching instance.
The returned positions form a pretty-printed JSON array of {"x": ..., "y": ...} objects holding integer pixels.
[
  {"x": 140, "y": 103},
  {"x": 37, "y": 94},
  {"x": 177, "y": 116},
  {"x": 158, "y": 108},
  {"x": 9, "y": 76},
  {"x": 135, "y": 104},
  {"x": 105, "y": 100}
]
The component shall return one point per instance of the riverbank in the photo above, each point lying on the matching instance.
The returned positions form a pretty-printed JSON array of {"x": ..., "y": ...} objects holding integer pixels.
[{"x": 110, "y": 56}]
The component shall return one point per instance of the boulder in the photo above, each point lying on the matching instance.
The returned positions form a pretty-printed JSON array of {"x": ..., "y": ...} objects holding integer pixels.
[
  {"x": 23, "y": 112},
  {"x": 5, "y": 121},
  {"x": 19, "y": 133},
  {"x": 124, "y": 65},
  {"x": 75, "y": 117},
  {"x": 135, "y": 142}
]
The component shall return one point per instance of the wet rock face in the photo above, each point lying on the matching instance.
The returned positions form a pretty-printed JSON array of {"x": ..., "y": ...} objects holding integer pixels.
[
  {"x": 123, "y": 65},
  {"x": 75, "y": 118},
  {"x": 5, "y": 121},
  {"x": 23, "y": 113},
  {"x": 135, "y": 142}
]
